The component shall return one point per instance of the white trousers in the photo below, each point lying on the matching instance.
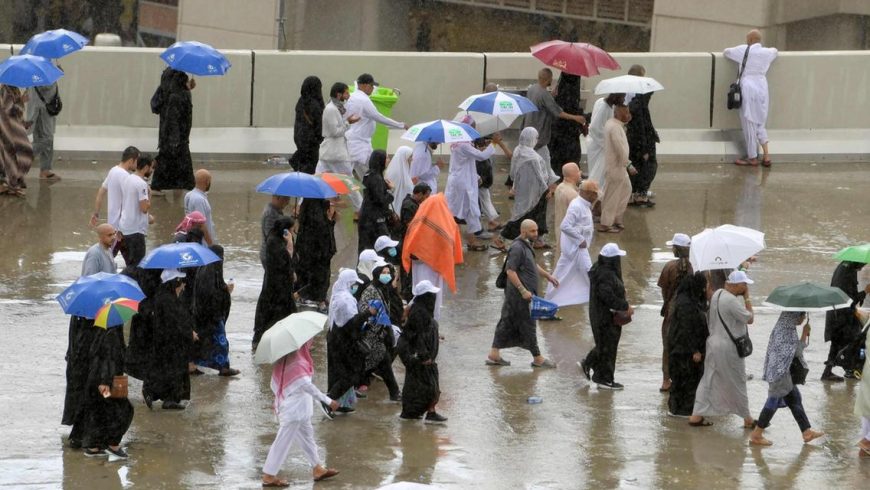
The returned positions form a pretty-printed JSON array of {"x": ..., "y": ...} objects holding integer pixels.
[
  {"x": 865, "y": 428},
  {"x": 289, "y": 432},
  {"x": 344, "y": 168},
  {"x": 487, "y": 210},
  {"x": 754, "y": 134}
]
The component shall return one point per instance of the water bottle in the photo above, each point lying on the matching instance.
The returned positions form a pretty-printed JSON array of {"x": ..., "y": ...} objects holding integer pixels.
[{"x": 534, "y": 400}]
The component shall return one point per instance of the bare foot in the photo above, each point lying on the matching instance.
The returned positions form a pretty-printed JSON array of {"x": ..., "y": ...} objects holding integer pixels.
[{"x": 811, "y": 434}]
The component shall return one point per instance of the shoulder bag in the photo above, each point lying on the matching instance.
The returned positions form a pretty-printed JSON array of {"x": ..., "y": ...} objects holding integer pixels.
[
  {"x": 53, "y": 106},
  {"x": 735, "y": 95},
  {"x": 798, "y": 371},
  {"x": 742, "y": 343}
]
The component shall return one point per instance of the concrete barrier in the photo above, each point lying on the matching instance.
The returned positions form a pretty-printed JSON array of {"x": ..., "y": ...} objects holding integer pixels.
[{"x": 431, "y": 84}]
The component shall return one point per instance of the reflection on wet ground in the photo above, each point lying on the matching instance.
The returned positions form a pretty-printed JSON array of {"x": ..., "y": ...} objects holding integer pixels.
[{"x": 579, "y": 437}]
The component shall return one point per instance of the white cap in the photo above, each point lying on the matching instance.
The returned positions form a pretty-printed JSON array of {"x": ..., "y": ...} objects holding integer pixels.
[
  {"x": 170, "y": 274},
  {"x": 739, "y": 277},
  {"x": 680, "y": 240},
  {"x": 424, "y": 287},
  {"x": 383, "y": 242},
  {"x": 612, "y": 250},
  {"x": 369, "y": 255},
  {"x": 380, "y": 263}
]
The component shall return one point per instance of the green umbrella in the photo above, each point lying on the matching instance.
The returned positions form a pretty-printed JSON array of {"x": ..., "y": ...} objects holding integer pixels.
[
  {"x": 807, "y": 296},
  {"x": 855, "y": 253}
]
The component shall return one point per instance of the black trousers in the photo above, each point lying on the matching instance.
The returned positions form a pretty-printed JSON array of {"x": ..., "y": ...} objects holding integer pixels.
[
  {"x": 602, "y": 357},
  {"x": 793, "y": 402},
  {"x": 133, "y": 248},
  {"x": 646, "y": 173}
]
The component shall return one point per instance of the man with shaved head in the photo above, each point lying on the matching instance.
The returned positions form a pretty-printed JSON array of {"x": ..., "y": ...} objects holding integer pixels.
[
  {"x": 572, "y": 268},
  {"x": 516, "y": 328},
  {"x": 197, "y": 200},
  {"x": 564, "y": 194},
  {"x": 99, "y": 257},
  {"x": 754, "y": 94}
]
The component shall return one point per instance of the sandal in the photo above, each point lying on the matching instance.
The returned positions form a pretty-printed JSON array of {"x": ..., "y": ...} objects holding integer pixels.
[
  {"x": 328, "y": 474},
  {"x": 760, "y": 442},
  {"x": 766, "y": 163},
  {"x": 276, "y": 483},
  {"x": 701, "y": 423},
  {"x": 229, "y": 372},
  {"x": 49, "y": 176},
  {"x": 480, "y": 247},
  {"x": 547, "y": 364},
  {"x": 502, "y": 248},
  {"x": 497, "y": 362}
]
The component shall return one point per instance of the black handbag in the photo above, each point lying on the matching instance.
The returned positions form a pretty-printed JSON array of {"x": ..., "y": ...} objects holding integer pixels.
[
  {"x": 501, "y": 279},
  {"x": 797, "y": 371},
  {"x": 742, "y": 343},
  {"x": 53, "y": 106},
  {"x": 735, "y": 95}
]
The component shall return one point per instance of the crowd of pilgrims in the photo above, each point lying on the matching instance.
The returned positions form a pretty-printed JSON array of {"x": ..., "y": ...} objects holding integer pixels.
[{"x": 377, "y": 311}]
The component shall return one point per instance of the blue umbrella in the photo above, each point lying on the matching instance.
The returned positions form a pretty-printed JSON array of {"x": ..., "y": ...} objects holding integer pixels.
[
  {"x": 499, "y": 104},
  {"x": 196, "y": 58},
  {"x": 441, "y": 131},
  {"x": 90, "y": 293},
  {"x": 26, "y": 70},
  {"x": 178, "y": 256},
  {"x": 382, "y": 318},
  {"x": 296, "y": 184},
  {"x": 54, "y": 44}
]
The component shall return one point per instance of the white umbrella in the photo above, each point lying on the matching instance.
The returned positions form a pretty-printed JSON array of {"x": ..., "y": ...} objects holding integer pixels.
[
  {"x": 486, "y": 124},
  {"x": 724, "y": 247},
  {"x": 628, "y": 84},
  {"x": 288, "y": 335}
]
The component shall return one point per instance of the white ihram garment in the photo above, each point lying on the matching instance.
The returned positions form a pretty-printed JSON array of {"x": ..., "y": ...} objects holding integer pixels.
[
  {"x": 572, "y": 270},
  {"x": 753, "y": 88},
  {"x": 601, "y": 113}
]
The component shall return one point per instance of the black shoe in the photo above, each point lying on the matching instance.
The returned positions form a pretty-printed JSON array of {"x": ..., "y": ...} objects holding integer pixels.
[
  {"x": 396, "y": 398},
  {"x": 832, "y": 377},
  {"x": 94, "y": 454},
  {"x": 409, "y": 418},
  {"x": 434, "y": 418},
  {"x": 611, "y": 385},
  {"x": 173, "y": 406},
  {"x": 117, "y": 453},
  {"x": 75, "y": 443},
  {"x": 584, "y": 366},
  {"x": 327, "y": 412},
  {"x": 345, "y": 410},
  {"x": 149, "y": 400}
]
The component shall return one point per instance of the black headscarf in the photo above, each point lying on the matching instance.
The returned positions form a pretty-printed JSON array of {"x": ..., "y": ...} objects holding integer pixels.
[
  {"x": 568, "y": 93},
  {"x": 211, "y": 299},
  {"x": 378, "y": 162},
  {"x": 311, "y": 96}
]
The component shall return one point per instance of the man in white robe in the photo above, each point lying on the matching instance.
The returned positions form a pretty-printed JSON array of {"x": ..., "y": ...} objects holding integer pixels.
[
  {"x": 602, "y": 111},
  {"x": 572, "y": 269},
  {"x": 423, "y": 170},
  {"x": 337, "y": 122},
  {"x": 753, "y": 88},
  {"x": 359, "y": 136}
]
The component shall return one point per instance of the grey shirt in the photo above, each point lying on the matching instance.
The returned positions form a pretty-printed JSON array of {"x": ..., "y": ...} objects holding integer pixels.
[
  {"x": 542, "y": 120},
  {"x": 43, "y": 122},
  {"x": 196, "y": 200},
  {"x": 270, "y": 215},
  {"x": 521, "y": 259},
  {"x": 97, "y": 259}
]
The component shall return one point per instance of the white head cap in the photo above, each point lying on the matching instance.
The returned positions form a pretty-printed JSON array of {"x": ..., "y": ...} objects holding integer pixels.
[
  {"x": 424, "y": 287},
  {"x": 383, "y": 242},
  {"x": 739, "y": 277},
  {"x": 612, "y": 250},
  {"x": 170, "y": 274},
  {"x": 680, "y": 240},
  {"x": 369, "y": 255}
]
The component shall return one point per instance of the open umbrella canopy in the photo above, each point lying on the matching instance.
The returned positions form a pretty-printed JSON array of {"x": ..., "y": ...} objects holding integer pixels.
[
  {"x": 116, "y": 313},
  {"x": 26, "y": 70},
  {"x": 296, "y": 184},
  {"x": 178, "y": 256},
  {"x": 340, "y": 183},
  {"x": 724, "y": 247},
  {"x": 54, "y": 44},
  {"x": 581, "y": 59},
  {"x": 807, "y": 296},
  {"x": 486, "y": 124},
  {"x": 498, "y": 103},
  {"x": 288, "y": 335},
  {"x": 441, "y": 131},
  {"x": 628, "y": 84},
  {"x": 855, "y": 253},
  {"x": 195, "y": 58},
  {"x": 88, "y": 294}
]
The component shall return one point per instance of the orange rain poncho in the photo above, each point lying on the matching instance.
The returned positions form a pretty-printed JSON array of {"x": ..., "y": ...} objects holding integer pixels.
[{"x": 433, "y": 237}]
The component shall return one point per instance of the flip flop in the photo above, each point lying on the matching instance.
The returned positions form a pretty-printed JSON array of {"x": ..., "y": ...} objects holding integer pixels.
[
  {"x": 478, "y": 248},
  {"x": 329, "y": 474},
  {"x": 50, "y": 176},
  {"x": 701, "y": 423},
  {"x": 500, "y": 249},
  {"x": 766, "y": 163},
  {"x": 497, "y": 362},
  {"x": 277, "y": 484}
]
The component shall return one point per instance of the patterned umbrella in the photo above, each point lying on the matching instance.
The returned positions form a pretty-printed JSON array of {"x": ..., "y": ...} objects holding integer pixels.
[
  {"x": 441, "y": 131},
  {"x": 581, "y": 59},
  {"x": 340, "y": 183},
  {"x": 116, "y": 313}
]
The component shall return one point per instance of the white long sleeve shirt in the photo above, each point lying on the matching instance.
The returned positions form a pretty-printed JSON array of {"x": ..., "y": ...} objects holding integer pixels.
[{"x": 359, "y": 136}]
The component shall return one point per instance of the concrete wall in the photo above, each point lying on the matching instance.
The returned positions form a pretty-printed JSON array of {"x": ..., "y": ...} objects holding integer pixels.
[
  {"x": 432, "y": 84},
  {"x": 223, "y": 24}
]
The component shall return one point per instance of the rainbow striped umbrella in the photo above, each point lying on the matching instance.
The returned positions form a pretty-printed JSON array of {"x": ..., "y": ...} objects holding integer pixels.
[{"x": 116, "y": 313}]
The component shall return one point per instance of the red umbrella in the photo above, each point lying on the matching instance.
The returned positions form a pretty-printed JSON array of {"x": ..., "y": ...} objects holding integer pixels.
[{"x": 582, "y": 59}]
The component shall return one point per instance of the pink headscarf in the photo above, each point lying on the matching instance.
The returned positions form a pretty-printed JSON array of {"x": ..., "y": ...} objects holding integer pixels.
[
  {"x": 293, "y": 366},
  {"x": 189, "y": 221}
]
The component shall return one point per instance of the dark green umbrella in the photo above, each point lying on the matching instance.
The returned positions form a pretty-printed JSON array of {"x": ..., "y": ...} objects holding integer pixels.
[
  {"x": 855, "y": 253},
  {"x": 807, "y": 296}
]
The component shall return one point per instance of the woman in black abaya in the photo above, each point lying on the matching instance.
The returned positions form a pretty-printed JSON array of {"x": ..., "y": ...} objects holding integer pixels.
[
  {"x": 276, "y": 296},
  {"x": 418, "y": 349},
  {"x": 174, "y": 166},
  {"x": 211, "y": 307},
  {"x": 315, "y": 246},
  {"x": 107, "y": 419},
  {"x": 381, "y": 358},
  {"x": 687, "y": 340},
  {"x": 565, "y": 137},
  {"x": 307, "y": 128},
  {"x": 377, "y": 203},
  {"x": 173, "y": 336}
]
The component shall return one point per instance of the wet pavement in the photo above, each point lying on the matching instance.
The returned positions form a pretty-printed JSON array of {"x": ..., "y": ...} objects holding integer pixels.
[{"x": 579, "y": 437}]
